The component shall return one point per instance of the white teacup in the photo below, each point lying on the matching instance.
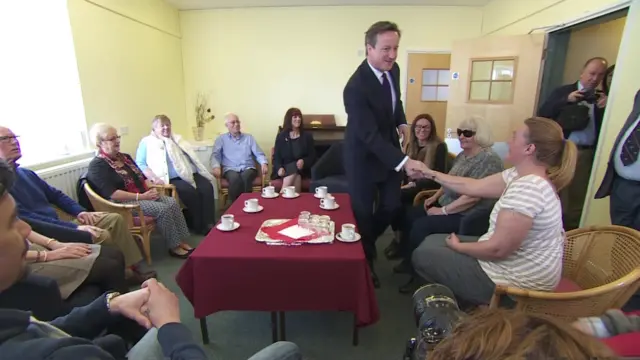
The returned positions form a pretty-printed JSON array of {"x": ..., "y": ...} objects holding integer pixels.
[
  {"x": 321, "y": 191},
  {"x": 251, "y": 204},
  {"x": 227, "y": 221},
  {"x": 289, "y": 191},
  {"x": 348, "y": 232},
  {"x": 329, "y": 202},
  {"x": 269, "y": 191}
]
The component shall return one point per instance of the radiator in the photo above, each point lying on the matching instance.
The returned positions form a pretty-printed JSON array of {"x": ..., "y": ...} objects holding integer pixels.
[{"x": 65, "y": 177}]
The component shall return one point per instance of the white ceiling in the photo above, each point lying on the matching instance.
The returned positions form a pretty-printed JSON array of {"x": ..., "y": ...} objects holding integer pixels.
[{"x": 219, "y": 4}]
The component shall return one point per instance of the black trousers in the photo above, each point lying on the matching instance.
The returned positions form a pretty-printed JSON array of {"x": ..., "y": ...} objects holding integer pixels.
[
  {"x": 418, "y": 225},
  {"x": 240, "y": 182},
  {"x": 624, "y": 204},
  {"x": 107, "y": 272},
  {"x": 372, "y": 223},
  {"x": 200, "y": 201}
]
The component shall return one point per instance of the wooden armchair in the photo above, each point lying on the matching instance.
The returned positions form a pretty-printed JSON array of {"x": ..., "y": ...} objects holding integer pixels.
[
  {"x": 223, "y": 185},
  {"x": 601, "y": 271},
  {"x": 422, "y": 196},
  {"x": 141, "y": 226}
]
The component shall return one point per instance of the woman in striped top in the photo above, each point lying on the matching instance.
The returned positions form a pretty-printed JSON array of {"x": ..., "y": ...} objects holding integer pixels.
[{"x": 524, "y": 244}]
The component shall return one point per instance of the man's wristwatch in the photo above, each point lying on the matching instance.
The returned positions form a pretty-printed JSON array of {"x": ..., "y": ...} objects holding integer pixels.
[{"x": 110, "y": 296}]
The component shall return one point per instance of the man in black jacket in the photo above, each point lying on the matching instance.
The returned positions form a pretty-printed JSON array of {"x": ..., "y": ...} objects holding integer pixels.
[
  {"x": 581, "y": 92},
  {"x": 372, "y": 155},
  {"x": 154, "y": 306}
]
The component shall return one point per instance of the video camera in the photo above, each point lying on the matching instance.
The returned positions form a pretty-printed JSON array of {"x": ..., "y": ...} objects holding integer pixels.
[
  {"x": 590, "y": 96},
  {"x": 436, "y": 313}
]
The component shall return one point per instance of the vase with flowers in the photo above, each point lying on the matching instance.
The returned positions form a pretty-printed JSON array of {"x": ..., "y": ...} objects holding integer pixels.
[{"x": 203, "y": 116}]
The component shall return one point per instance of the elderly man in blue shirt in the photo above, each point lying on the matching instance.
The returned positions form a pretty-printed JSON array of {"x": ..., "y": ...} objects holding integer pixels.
[{"x": 233, "y": 158}]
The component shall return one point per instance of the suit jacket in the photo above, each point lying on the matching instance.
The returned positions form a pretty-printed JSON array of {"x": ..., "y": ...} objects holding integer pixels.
[
  {"x": 283, "y": 152},
  {"x": 607, "y": 182},
  {"x": 552, "y": 107},
  {"x": 372, "y": 146}
]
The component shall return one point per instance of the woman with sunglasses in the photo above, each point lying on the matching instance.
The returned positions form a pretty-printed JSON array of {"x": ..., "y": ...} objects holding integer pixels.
[
  {"x": 424, "y": 145},
  {"x": 442, "y": 212},
  {"x": 523, "y": 247}
]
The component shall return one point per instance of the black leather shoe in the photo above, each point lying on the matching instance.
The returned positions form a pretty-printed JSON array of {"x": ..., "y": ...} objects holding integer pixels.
[
  {"x": 374, "y": 278},
  {"x": 410, "y": 287},
  {"x": 179, "y": 256},
  {"x": 392, "y": 252},
  {"x": 403, "y": 268}
]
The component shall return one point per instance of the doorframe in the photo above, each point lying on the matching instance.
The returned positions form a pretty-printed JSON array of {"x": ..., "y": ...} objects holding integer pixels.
[{"x": 406, "y": 67}]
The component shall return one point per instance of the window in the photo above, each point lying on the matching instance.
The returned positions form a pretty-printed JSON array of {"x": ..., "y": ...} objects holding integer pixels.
[
  {"x": 492, "y": 80},
  {"x": 40, "y": 87},
  {"x": 435, "y": 84}
]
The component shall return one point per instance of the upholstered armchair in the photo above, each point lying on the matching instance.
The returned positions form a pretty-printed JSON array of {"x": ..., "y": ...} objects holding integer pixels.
[{"x": 329, "y": 171}]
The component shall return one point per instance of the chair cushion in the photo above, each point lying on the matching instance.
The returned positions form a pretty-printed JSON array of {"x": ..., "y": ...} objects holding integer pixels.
[
  {"x": 567, "y": 285},
  {"x": 256, "y": 182},
  {"x": 147, "y": 219},
  {"x": 334, "y": 183}
]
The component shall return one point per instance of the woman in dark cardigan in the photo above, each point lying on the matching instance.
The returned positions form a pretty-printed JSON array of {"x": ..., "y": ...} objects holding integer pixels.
[
  {"x": 294, "y": 151},
  {"x": 424, "y": 145}
]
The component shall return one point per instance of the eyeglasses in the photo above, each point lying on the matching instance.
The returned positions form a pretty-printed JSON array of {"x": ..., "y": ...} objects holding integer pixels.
[
  {"x": 8, "y": 139},
  {"x": 421, "y": 127},
  {"x": 466, "y": 133},
  {"x": 117, "y": 137}
]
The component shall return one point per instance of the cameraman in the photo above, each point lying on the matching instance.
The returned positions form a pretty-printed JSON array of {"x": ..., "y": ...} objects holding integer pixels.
[{"x": 578, "y": 108}]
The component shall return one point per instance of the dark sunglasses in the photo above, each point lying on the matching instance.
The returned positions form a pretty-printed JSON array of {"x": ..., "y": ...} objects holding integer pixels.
[{"x": 466, "y": 133}]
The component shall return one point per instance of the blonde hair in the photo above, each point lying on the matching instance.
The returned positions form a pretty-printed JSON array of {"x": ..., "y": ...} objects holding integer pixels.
[
  {"x": 559, "y": 155},
  {"x": 483, "y": 136},
  {"x": 98, "y": 131},
  {"x": 500, "y": 334}
]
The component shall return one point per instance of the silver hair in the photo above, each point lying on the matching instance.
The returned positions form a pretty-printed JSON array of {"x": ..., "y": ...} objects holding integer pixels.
[
  {"x": 483, "y": 136},
  {"x": 98, "y": 131}
]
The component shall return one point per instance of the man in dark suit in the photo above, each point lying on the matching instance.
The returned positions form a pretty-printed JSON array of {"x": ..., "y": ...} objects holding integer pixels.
[
  {"x": 372, "y": 155},
  {"x": 582, "y": 92},
  {"x": 622, "y": 180}
]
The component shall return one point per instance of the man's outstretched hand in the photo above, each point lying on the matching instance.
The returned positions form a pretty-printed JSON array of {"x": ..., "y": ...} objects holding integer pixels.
[{"x": 415, "y": 169}]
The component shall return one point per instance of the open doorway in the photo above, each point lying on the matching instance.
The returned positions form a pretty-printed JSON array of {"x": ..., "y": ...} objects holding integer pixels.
[{"x": 568, "y": 49}]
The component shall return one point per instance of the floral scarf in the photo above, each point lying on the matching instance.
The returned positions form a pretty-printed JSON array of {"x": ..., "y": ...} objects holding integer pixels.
[{"x": 119, "y": 163}]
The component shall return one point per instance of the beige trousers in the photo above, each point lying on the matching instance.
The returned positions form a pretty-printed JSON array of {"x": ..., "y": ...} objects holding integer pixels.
[{"x": 116, "y": 233}]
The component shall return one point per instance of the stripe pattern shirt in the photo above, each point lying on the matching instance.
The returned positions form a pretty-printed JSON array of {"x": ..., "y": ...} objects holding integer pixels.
[{"x": 537, "y": 263}]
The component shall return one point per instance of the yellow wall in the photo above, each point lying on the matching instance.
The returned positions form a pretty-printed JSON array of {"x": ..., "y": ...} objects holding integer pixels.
[
  {"x": 626, "y": 82},
  {"x": 597, "y": 40},
  {"x": 513, "y": 17},
  {"x": 130, "y": 63},
  {"x": 258, "y": 62}
]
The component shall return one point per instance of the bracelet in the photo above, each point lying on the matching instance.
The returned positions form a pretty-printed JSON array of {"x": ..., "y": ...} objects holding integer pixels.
[
  {"x": 45, "y": 256},
  {"x": 37, "y": 255},
  {"x": 137, "y": 195},
  {"x": 444, "y": 210},
  {"x": 49, "y": 241}
]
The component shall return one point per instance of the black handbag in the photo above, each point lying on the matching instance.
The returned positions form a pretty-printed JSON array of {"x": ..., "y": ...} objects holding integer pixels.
[{"x": 574, "y": 117}]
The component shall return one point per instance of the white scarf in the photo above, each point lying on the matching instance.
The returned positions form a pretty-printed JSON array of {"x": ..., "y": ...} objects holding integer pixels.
[{"x": 182, "y": 156}]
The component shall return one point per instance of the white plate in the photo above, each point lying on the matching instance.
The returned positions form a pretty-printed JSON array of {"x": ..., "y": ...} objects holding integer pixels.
[
  {"x": 236, "y": 225},
  {"x": 291, "y": 197},
  {"x": 270, "y": 197},
  {"x": 339, "y": 238},
  {"x": 337, "y": 206},
  {"x": 260, "y": 208},
  {"x": 318, "y": 196}
]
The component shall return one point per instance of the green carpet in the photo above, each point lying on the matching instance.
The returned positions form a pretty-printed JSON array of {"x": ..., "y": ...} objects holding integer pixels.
[{"x": 236, "y": 335}]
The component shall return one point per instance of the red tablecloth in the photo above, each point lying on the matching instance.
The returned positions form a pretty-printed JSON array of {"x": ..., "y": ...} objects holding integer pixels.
[{"x": 232, "y": 271}]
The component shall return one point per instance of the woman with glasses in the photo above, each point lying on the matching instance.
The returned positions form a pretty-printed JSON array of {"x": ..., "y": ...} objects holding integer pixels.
[
  {"x": 114, "y": 175},
  {"x": 424, "y": 145},
  {"x": 442, "y": 212}
]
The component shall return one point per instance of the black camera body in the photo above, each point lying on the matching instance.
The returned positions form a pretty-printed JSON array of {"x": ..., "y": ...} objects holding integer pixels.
[
  {"x": 590, "y": 96},
  {"x": 436, "y": 313}
]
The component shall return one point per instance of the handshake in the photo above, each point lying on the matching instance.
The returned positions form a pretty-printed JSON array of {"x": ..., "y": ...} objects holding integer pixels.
[{"x": 417, "y": 169}]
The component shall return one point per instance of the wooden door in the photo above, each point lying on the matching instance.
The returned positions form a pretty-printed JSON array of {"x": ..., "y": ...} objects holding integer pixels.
[
  {"x": 497, "y": 78},
  {"x": 428, "y": 87}
]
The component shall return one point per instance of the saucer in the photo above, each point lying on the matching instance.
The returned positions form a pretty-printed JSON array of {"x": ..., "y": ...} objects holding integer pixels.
[
  {"x": 290, "y": 197},
  {"x": 275, "y": 195},
  {"x": 339, "y": 238},
  {"x": 236, "y": 225},
  {"x": 335, "y": 207},
  {"x": 318, "y": 196},
  {"x": 260, "y": 208}
]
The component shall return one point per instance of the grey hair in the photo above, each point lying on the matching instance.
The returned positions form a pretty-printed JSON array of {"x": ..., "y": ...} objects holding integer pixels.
[
  {"x": 228, "y": 115},
  {"x": 98, "y": 131},
  {"x": 483, "y": 136},
  {"x": 158, "y": 118}
]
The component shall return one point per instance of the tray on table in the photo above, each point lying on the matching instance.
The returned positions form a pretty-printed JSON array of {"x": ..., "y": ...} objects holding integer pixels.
[{"x": 261, "y": 236}]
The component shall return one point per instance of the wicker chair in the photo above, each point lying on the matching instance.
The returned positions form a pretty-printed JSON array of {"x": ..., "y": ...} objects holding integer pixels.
[
  {"x": 600, "y": 263},
  {"x": 223, "y": 186},
  {"x": 141, "y": 226},
  {"x": 422, "y": 196}
]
